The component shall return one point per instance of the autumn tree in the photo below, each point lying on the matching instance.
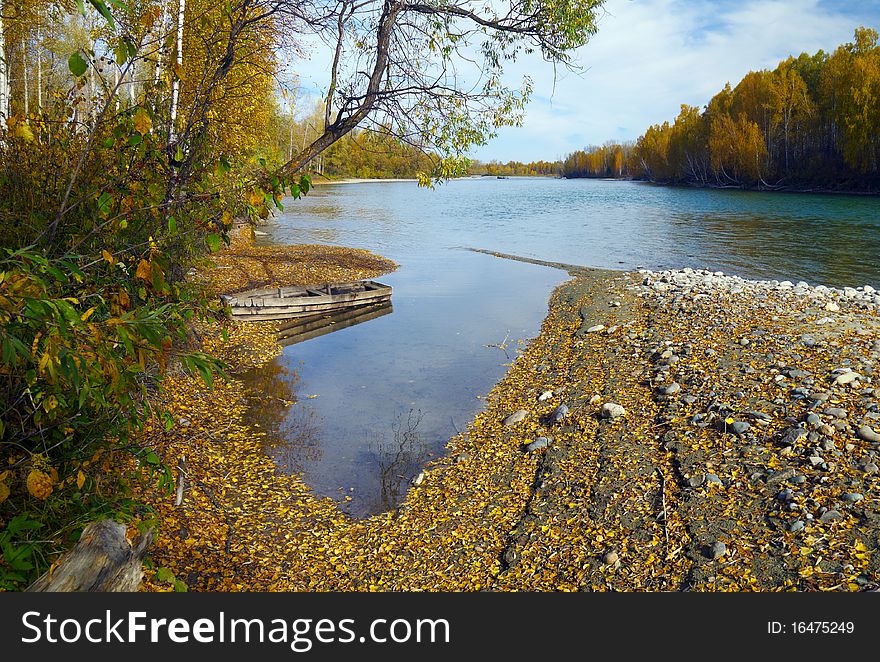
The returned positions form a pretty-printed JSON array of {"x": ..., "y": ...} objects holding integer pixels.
[
  {"x": 812, "y": 122},
  {"x": 409, "y": 68}
]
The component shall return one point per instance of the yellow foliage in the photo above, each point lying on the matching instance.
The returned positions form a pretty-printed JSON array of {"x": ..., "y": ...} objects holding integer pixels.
[
  {"x": 39, "y": 484},
  {"x": 142, "y": 122},
  {"x": 144, "y": 270}
]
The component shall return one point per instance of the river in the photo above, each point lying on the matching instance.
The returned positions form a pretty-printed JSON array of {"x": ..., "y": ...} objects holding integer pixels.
[{"x": 373, "y": 402}]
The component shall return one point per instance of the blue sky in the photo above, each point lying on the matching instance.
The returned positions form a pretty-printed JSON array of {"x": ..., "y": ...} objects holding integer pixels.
[{"x": 650, "y": 56}]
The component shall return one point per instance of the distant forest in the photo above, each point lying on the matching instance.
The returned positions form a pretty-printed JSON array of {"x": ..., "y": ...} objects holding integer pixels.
[{"x": 811, "y": 123}]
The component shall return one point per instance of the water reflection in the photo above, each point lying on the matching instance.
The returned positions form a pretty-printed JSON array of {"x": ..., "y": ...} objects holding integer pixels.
[
  {"x": 292, "y": 429},
  {"x": 394, "y": 460},
  {"x": 302, "y": 329}
]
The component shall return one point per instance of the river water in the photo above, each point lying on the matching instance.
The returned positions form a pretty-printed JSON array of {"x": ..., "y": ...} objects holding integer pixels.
[{"x": 374, "y": 401}]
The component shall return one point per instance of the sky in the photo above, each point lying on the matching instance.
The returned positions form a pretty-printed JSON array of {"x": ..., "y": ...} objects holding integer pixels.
[{"x": 651, "y": 56}]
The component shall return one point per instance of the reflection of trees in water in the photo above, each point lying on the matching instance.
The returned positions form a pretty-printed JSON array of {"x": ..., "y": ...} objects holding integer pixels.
[
  {"x": 296, "y": 441},
  {"x": 396, "y": 460},
  {"x": 292, "y": 432}
]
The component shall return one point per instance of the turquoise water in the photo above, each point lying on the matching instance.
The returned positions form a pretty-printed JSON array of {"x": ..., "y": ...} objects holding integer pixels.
[{"x": 387, "y": 394}]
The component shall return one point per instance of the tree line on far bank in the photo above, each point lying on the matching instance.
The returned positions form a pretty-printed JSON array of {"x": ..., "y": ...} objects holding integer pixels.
[{"x": 812, "y": 122}]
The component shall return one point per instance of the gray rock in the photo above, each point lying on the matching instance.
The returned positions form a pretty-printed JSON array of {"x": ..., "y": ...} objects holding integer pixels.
[
  {"x": 815, "y": 461},
  {"x": 870, "y": 468},
  {"x": 596, "y": 328},
  {"x": 821, "y": 396},
  {"x": 546, "y": 395},
  {"x": 866, "y": 433},
  {"x": 852, "y": 497},
  {"x": 558, "y": 414},
  {"x": 670, "y": 389},
  {"x": 836, "y": 412},
  {"x": 792, "y": 436},
  {"x": 696, "y": 481},
  {"x": 740, "y": 427},
  {"x": 689, "y": 399},
  {"x": 799, "y": 479},
  {"x": 418, "y": 479},
  {"x": 814, "y": 419},
  {"x": 830, "y": 516},
  {"x": 846, "y": 378},
  {"x": 612, "y": 410},
  {"x": 184, "y": 422},
  {"x": 610, "y": 558},
  {"x": 539, "y": 443},
  {"x": 713, "y": 478},
  {"x": 516, "y": 417},
  {"x": 797, "y": 526},
  {"x": 716, "y": 550},
  {"x": 785, "y": 495}
]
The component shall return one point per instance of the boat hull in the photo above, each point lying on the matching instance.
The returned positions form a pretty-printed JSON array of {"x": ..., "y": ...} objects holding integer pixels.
[{"x": 291, "y": 302}]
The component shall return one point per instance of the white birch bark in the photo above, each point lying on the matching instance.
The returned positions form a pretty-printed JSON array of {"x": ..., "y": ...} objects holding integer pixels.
[
  {"x": 175, "y": 85},
  {"x": 4, "y": 74},
  {"x": 160, "y": 49},
  {"x": 24, "y": 67},
  {"x": 39, "y": 71}
]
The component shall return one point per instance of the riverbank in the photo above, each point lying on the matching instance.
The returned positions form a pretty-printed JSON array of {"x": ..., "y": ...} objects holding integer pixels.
[
  {"x": 758, "y": 188},
  {"x": 356, "y": 180},
  {"x": 745, "y": 459}
]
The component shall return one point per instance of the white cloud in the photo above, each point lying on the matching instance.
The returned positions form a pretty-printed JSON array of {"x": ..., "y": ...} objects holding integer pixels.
[{"x": 650, "y": 56}]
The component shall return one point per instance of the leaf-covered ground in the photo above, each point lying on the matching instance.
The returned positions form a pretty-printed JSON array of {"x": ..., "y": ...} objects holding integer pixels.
[
  {"x": 244, "y": 265},
  {"x": 635, "y": 503}
]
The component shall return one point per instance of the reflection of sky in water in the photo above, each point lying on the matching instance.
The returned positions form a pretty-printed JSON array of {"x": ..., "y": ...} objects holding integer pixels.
[{"x": 393, "y": 390}]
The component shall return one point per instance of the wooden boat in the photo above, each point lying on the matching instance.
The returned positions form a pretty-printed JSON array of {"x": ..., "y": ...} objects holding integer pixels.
[
  {"x": 300, "y": 329},
  {"x": 281, "y": 303}
]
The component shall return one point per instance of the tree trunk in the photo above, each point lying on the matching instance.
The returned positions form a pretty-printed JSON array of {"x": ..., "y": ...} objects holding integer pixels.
[
  {"x": 103, "y": 560},
  {"x": 39, "y": 72},
  {"x": 175, "y": 85},
  {"x": 24, "y": 68},
  {"x": 4, "y": 75}
]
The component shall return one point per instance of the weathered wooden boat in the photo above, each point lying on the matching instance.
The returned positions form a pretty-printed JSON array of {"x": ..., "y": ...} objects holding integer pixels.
[
  {"x": 281, "y": 303},
  {"x": 300, "y": 329}
]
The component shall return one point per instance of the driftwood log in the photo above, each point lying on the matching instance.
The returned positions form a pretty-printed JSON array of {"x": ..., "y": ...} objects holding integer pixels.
[{"x": 103, "y": 560}]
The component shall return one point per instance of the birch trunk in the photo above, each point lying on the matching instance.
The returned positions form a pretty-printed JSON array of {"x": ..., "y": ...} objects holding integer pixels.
[
  {"x": 39, "y": 72},
  {"x": 175, "y": 85},
  {"x": 24, "y": 67},
  {"x": 160, "y": 49},
  {"x": 4, "y": 75}
]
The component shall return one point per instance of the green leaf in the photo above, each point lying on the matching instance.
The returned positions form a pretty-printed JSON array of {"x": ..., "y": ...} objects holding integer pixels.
[
  {"x": 135, "y": 139},
  {"x": 165, "y": 575},
  {"x": 104, "y": 11},
  {"x": 104, "y": 202},
  {"x": 120, "y": 50},
  {"x": 152, "y": 458},
  {"x": 213, "y": 241},
  {"x": 78, "y": 66},
  {"x": 172, "y": 225}
]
